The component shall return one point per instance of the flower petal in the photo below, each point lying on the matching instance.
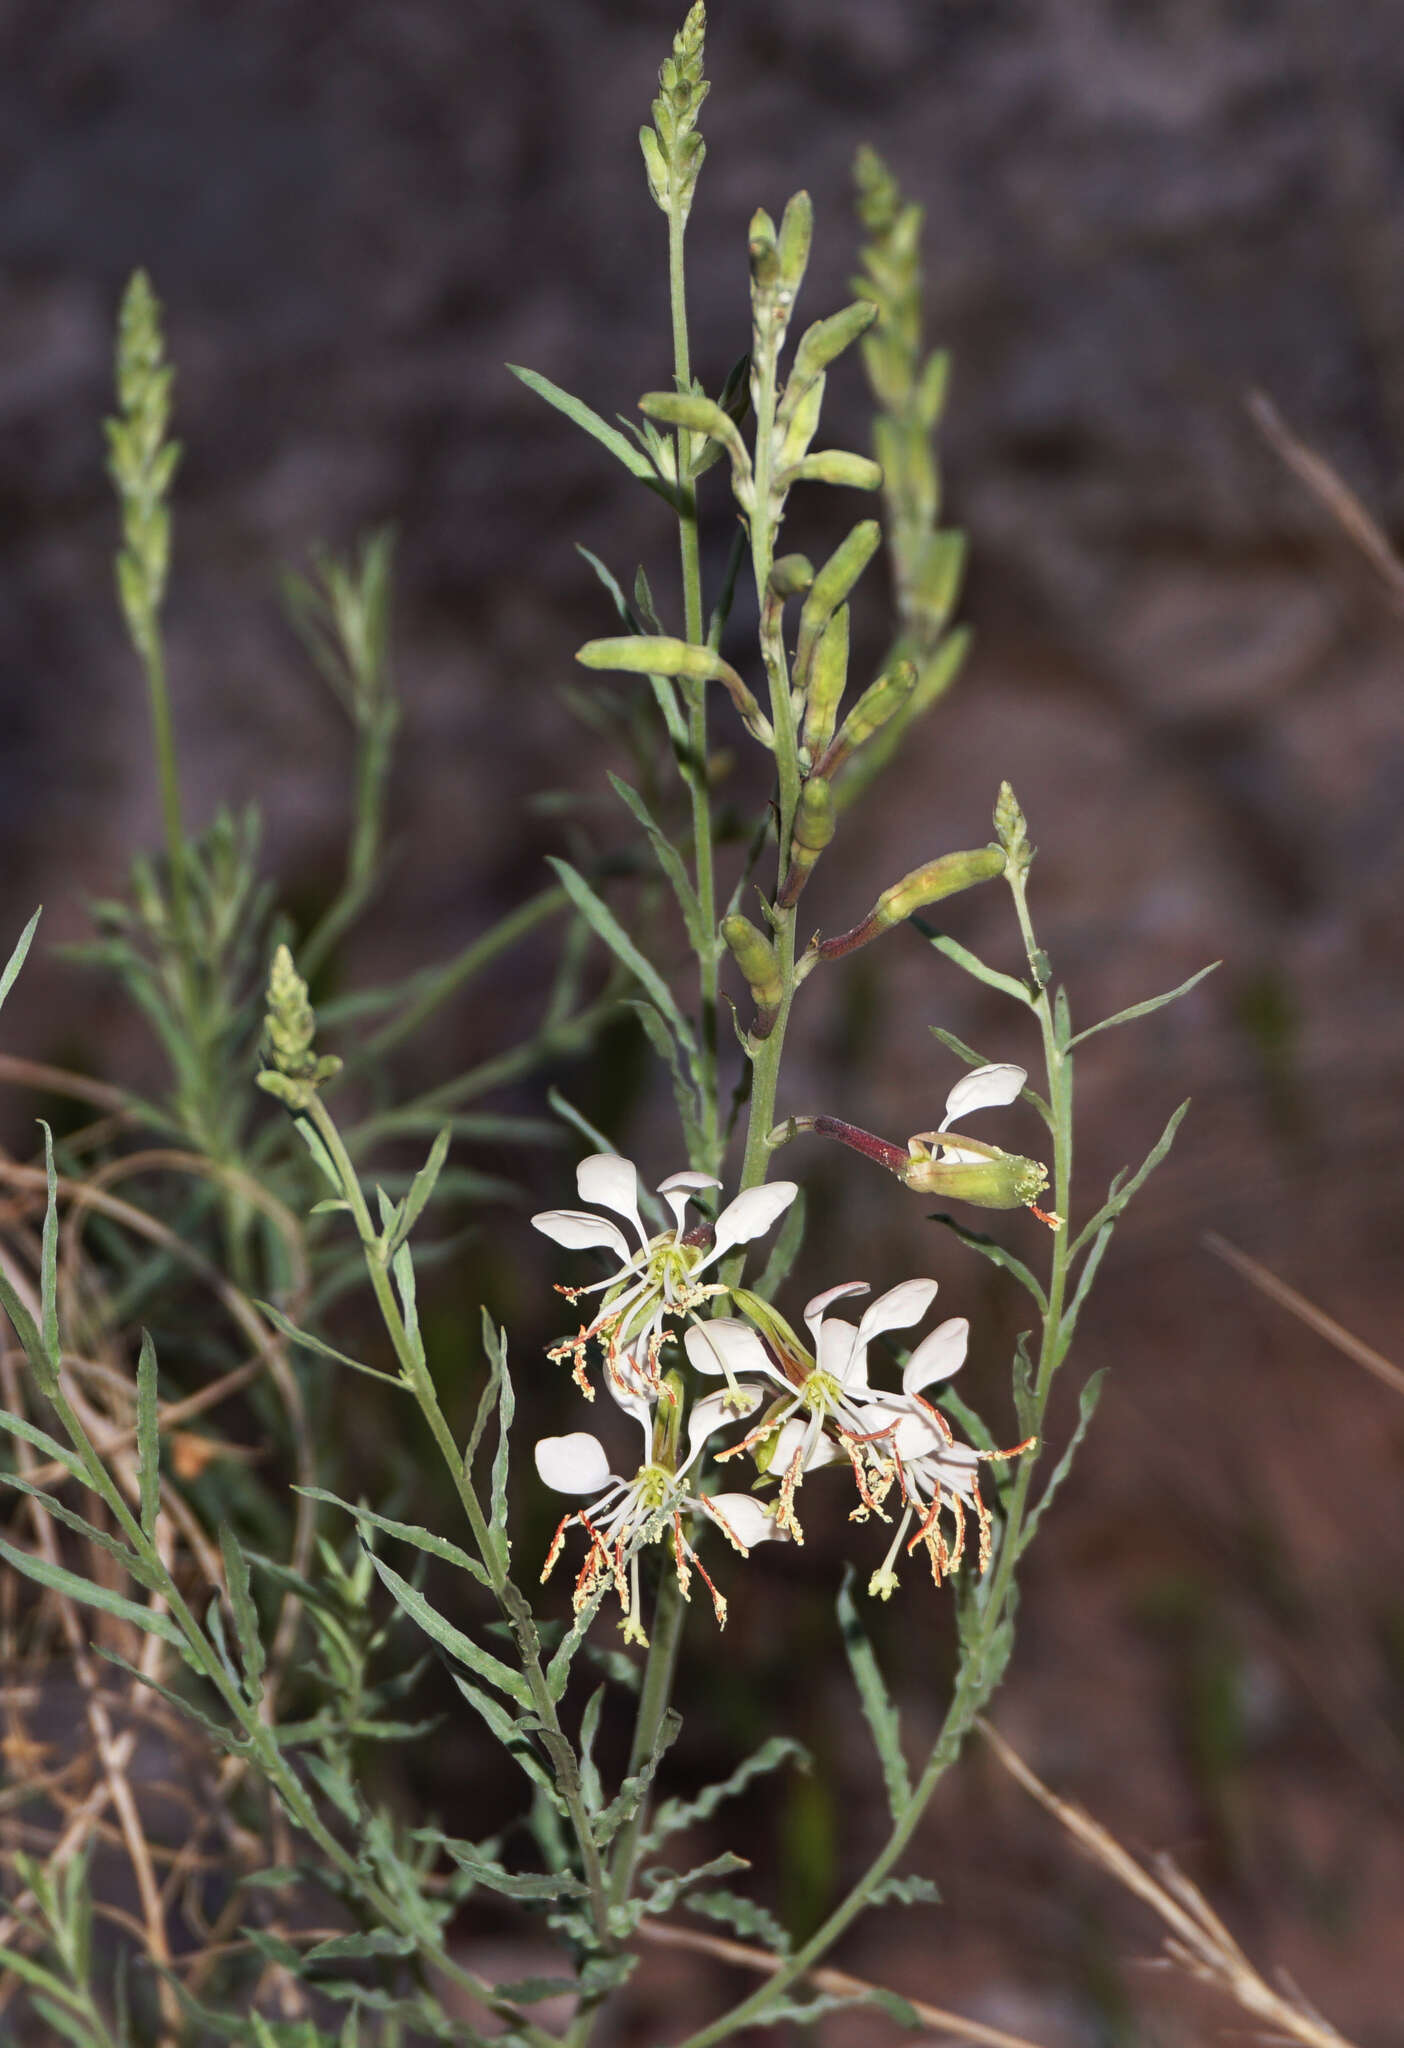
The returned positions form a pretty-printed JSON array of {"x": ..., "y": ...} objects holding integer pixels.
[
  {"x": 937, "y": 1356},
  {"x": 726, "y": 1344},
  {"x": 751, "y": 1215},
  {"x": 986, "y": 1088},
  {"x": 676, "y": 1189},
  {"x": 837, "y": 1351},
  {"x": 578, "y": 1231},
  {"x": 742, "y": 1517},
  {"x": 814, "y": 1310},
  {"x": 611, "y": 1183},
  {"x": 905, "y": 1303},
  {"x": 824, "y": 1451},
  {"x": 715, "y": 1411},
  {"x": 577, "y": 1463}
]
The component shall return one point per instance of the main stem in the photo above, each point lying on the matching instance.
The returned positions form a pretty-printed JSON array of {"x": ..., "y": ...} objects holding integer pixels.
[{"x": 975, "y": 1681}]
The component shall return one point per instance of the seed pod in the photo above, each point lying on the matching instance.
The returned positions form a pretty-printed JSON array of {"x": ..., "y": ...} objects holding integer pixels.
[
  {"x": 1002, "y": 1180},
  {"x": 831, "y": 587},
  {"x": 756, "y": 957},
  {"x": 928, "y": 884},
  {"x": 791, "y": 575},
  {"x": 833, "y": 466},
  {"x": 879, "y": 702}
]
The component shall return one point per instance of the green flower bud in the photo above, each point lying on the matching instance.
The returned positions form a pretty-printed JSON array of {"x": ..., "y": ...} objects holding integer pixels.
[
  {"x": 828, "y": 676},
  {"x": 757, "y": 959},
  {"x": 1010, "y": 829},
  {"x": 796, "y": 234},
  {"x": 944, "y": 876},
  {"x": 815, "y": 818},
  {"x": 290, "y": 1026},
  {"x": 833, "y": 466},
  {"x": 791, "y": 576},
  {"x": 656, "y": 654},
  {"x": 1002, "y": 1180},
  {"x": 879, "y": 702}
]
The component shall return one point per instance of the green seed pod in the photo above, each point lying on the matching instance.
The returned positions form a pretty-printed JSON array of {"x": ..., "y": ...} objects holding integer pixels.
[
  {"x": 796, "y": 234},
  {"x": 799, "y": 427},
  {"x": 756, "y": 957},
  {"x": 826, "y": 340},
  {"x": 765, "y": 259},
  {"x": 828, "y": 674}
]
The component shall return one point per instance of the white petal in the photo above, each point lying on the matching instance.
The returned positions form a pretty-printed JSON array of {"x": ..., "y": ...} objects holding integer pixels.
[
  {"x": 985, "y": 1088},
  {"x": 743, "y": 1517},
  {"x": 905, "y": 1303},
  {"x": 751, "y": 1215},
  {"x": 953, "y": 1155},
  {"x": 838, "y": 1351},
  {"x": 791, "y": 1437},
  {"x": 578, "y": 1231},
  {"x": 676, "y": 1189},
  {"x": 573, "y": 1464},
  {"x": 726, "y": 1343},
  {"x": 916, "y": 1436},
  {"x": 611, "y": 1183},
  {"x": 814, "y": 1310},
  {"x": 715, "y": 1411},
  {"x": 937, "y": 1356},
  {"x": 632, "y": 1397}
]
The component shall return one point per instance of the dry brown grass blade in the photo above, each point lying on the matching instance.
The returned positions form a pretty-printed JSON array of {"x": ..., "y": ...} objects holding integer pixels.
[
  {"x": 950, "y": 2025},
  {"x": 1340, "y": 501},
  {"x": 1198, "y": 1941},
  {"x": 1305, "y": 1311}
]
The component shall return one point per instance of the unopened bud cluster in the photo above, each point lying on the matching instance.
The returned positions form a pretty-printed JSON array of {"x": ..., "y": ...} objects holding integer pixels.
[
  {"x": 672, "y": 149},
  {"x": 296, "y": 1071}
]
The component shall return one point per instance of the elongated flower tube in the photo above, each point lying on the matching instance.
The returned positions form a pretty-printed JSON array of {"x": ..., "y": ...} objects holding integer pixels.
[
  {"x": 627, "y": 1515},
  {"x": 964, "y": 1169},
  {"x": 663, "y": 1277}
]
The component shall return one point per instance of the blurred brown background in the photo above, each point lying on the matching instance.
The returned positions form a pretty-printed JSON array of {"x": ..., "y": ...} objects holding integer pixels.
[{"x": 1137, "y": 210}]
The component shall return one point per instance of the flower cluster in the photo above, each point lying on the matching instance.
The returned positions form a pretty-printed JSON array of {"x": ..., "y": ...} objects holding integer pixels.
[{"x": 819, "y": 1406}]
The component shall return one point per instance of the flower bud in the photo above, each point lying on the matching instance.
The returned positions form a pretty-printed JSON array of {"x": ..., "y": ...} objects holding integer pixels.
[
  {"x": 831, "y": 587},
  {"x": 879, "y": 702},
  {"x": 756, "y": 957},
  {"x": 1002, "y": 1180},
  {"x": 828, "y": 674},
  {"x": 1010, "y": 829},
  {"x": 942, "y": 877},
  {"x": 290, "y": 1026},
  {"x": 796, "y": 234},
  {"x": 814, "y": 827},
  {"x": 791, "y": 576},
  {"x": 833, "y": 466}
]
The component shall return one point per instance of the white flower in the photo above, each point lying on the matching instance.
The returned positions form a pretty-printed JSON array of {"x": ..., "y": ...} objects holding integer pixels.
[
  {"x": 830, "y": 1389},
  {"x": 663, "y": 1276},
  {"x": 628, "y": 1514}
]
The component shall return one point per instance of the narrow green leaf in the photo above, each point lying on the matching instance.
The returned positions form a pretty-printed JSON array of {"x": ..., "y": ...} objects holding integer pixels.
[
  {"x": 376, "y": 1941},
  {"x": 531, "y": 1885},
  {"x": 31, "y": 1340},
  {"x": 666, "y": 1887},
  {"x": 634, "y": 1790},
  {"x": 1144, "y": 1009},
  {"x": 310, "y": 1343},
  {"x": 582, "y": 415},
  {"x": 146, "y": 1574},
  {"x": 20, "y": 1426},
  {"x": 48, "y": 1259},
  {"x": 241, "y": 1601},
  {"x": 973, "y": 965},
  {"x": 33, "y": 1973},
  {"x": 675, "y": 1814},
  {"x": 17, "y": 958},
  {"x": 66, "y": 2022},
  {"x": 506, "y": 1409},
  {"x": 590, "y": 1786},
  {"x": 402, "y": 1267},
  {"x": 1086, "y": 1408},
  {"x": 337, "y": 1786},
  {"x": 668, "y": 858},
  {"x": 611, "y": 584},
  {"x": 876, "y": 1702},
  {"x": 87, "y": 1594},
  {"x": 607, "y": 927},
  {"x": 513, "y": 1737},
  {"x": 906, "y": 1891},
  {"x": 422, "y": 1187},
  {"x": 996, "y": 1254},
  {"x": 223, "y": 1737},
  {"x": 148, "y": 1435},
  {"x": 452, "y": 1639},
  {"x": 1025, "y": 1401},
  {"x": 1120, "y": 1193},
  {"x": 1067, "y": 1326},
  {"x": 406, "y": 1532},
  {"x": 558, "y": 1670},
  {"x": 322, "y": 1159},
  {"x": 743, "y": 1916},
  {"x": 685, "y": 1092}
]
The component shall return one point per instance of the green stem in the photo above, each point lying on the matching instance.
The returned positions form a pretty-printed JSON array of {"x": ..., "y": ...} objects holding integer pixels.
[
  {"x": 976, "y": 1679},
  {"x": 654, "y": 1697},
  {"x": 168, "y": 779}
]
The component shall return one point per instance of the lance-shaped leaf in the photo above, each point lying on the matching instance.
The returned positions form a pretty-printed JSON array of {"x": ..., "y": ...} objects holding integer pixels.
[
  {"x": 619, "y": 445},
  {"x": 148, "y": 1435},
  {"x": 88, "y": 1594},
  {"x": 973, "y": 965},
  {"x": 405, "y": 1532},
  {"x": 996, "y": 1254},
  {"x": 1086, "y": 1408},
  {"x": 675, "y": 1814},
  {"x": 669, "y": 860},
  {"x": 607, "y": 927},
  {"x": 17, "y": 958},
  {"x": 241, "y": 1601},
  {"x": 144, "y": 1571},
  {"x": 657, "y": 654},
  {"x": 634, "y": 1789},
  {"x": 1121, "y": 1190},
  {"x": 310, "y": 1343},
  {"x": 878, "y": 1709},
  {"x": 743, "y": 1916},
  {"x": 1144, "y": 1009},
  {"x": 421, "y": 1189},
  {"x": 452, "y": 1639}
]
